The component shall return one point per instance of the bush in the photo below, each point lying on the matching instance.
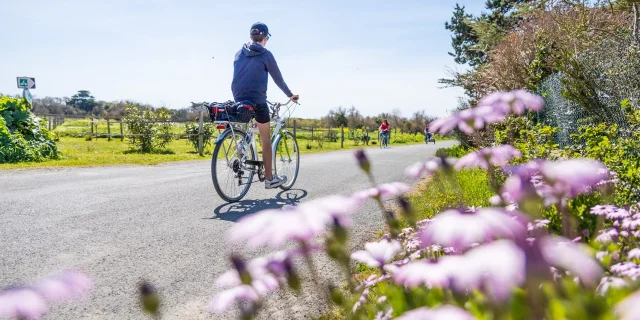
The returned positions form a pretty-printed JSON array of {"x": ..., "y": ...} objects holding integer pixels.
[
  {"x": 192, "y": 130},
  {"x": 23, "y": 136},
  {"x": 149, "y": 130},
  {"x": 456, "y": 151},
  {"x": 533, "y": 141},
  {"x": 401, "y": 138},
  {"x": 620, "y": 152}
]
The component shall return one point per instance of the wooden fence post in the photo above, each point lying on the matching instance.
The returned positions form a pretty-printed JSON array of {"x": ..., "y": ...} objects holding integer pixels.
[
  {"x": 294, "y": 127},
  {"x": 342, "y": 136},
  {"x": 201, "y": 134},
  {"x": 49, "y": 122},
  {"x": 311, "y": 132},
  {"x": 92, "y": 127},
  {"x": 108, "y": 130},
  {"x": 121, "y": 131}
]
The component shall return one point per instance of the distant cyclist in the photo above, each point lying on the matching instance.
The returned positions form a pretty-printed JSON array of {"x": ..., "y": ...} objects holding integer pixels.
[
  {"x": 427, "y": 134},
  {"x": 252, "y": 65},
  {"x": 384, "y": 129}
]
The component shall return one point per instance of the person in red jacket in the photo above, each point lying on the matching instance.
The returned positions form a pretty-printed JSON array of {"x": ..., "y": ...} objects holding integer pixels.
[{"x": 384, "y": 129}]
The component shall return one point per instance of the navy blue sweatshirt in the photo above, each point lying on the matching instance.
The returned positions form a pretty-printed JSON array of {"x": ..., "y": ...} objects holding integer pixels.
[{"x": 250, "y": 74}]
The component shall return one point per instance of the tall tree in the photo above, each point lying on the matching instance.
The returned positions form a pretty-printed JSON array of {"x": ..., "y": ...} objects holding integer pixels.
[
  {"x": 464, "y": 39},
  {"x": 473, "y": 37},
  {"x": 83, "y": 100}
]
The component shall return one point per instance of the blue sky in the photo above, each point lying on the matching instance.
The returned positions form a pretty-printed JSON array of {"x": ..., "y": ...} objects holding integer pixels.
[{"x": 375, "y": 55}]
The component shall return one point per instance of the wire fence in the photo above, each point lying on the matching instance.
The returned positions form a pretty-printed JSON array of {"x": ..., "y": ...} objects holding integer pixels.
[
  {"x": 569, "y": 116},
  {"x": 601, "y": 78}
]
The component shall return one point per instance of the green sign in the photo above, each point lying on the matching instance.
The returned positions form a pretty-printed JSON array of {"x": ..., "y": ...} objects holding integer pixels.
[{"x": 26, "y": 83}]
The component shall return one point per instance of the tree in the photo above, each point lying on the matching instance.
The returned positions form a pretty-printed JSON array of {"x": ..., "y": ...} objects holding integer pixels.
[
  {"x": 83, "y": 100},
  {"x": 419, "y": 121},
  {"x": 337, "y": 117},
  {"x": 474, "y": 37},
  {"x": 52, "y": 105},
  {"x": 464, "y": 39},
  {"x": 354, "y": 118},
  {"x": 396, "y": 118}
]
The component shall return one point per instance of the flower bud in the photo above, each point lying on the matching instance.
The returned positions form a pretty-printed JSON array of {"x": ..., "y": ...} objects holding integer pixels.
[
  {"x": 149, "y": 298},
  {"x": 339, "y": 232},
  {"x": 293, "y": 280},
  {"x": 407, "y": 211},
  {"x": 393, "y": 223},
  {"x": 335, "y": 295},
  {"x": 363, "y": 161},
  {"x": 241, "y": 267}
]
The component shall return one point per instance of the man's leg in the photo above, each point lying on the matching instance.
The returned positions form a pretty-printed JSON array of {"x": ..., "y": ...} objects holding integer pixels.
[
  {"x": 265, "y": 138},
  {"x": 262, "y": 118}
]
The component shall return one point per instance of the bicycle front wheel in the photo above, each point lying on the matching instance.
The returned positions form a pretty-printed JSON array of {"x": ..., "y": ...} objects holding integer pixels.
[
  {"x": 230, "y": 178},
  {"x": 287, "y": 159}
]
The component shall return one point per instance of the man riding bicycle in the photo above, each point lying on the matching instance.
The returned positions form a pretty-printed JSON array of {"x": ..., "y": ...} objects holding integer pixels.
[
  {"x": 427, "y": 134},
  {"x": 251, "y": 67}
]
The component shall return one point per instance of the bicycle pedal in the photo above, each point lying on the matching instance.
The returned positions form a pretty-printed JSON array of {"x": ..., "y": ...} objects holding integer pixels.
[{"x": 254, "y": 163}]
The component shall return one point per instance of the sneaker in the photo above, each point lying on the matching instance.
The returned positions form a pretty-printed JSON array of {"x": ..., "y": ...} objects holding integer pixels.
[{"x": 275, "y": 182}]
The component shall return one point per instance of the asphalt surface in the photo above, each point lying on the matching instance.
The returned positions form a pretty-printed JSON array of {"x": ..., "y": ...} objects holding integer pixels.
[{"x": 166, "y": 224}]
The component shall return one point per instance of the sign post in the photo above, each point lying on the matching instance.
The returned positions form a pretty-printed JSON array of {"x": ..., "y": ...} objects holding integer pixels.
[
  {"x": 26, "y": 83},
  {"x": 27, "y": 95}
]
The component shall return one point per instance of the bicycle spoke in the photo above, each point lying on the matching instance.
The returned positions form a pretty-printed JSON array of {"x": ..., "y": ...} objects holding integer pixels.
[
  {"x": 227, "y": 178},
  {"x": 287, "y": 159}
]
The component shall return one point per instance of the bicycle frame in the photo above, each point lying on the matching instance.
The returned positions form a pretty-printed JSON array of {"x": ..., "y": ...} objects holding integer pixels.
[{"x": 277, "y": 122}]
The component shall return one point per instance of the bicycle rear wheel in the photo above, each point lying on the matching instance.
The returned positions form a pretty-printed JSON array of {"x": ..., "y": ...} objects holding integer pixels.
[
  {"x": 231, "y": 180},
  {"x": 287, "y": 159}
]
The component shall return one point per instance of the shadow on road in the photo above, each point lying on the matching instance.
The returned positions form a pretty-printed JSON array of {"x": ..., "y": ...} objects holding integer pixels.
[{"x": 237, "y": 210}]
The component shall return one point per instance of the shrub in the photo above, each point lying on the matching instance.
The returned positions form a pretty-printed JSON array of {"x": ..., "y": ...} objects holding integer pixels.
[
  {"x": 23, "y": 136},
  {"x": 533, "y": 141},
  {"x": 149, "y": 131},
  {"x": 192, "y": 130},
  {"x": 620, "y": 153},
  {"x": 456, "y": 151}
]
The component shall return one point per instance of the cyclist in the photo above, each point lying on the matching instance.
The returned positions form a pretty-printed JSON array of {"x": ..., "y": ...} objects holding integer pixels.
[
  {"x": 427, "y": 134},
  {"x": 251, "y": 67},
  {"x": 384, "y": 130}
]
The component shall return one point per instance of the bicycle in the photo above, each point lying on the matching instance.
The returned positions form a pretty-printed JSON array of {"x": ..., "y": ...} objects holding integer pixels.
[
  {"x": 429, "y": 138},
  {"x": 235, "y": 161},
  {"x": 384, "y": 140}
]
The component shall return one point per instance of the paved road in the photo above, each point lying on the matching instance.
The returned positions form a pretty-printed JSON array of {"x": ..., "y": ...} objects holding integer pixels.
[{"x": 163, "y": 223}]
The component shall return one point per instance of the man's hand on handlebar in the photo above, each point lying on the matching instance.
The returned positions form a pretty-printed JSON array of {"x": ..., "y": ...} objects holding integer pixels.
[{"x": 294, "y": 98}]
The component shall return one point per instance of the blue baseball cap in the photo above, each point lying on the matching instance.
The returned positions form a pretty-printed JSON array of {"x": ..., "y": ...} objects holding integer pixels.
[{"x": 259, "y": 28}]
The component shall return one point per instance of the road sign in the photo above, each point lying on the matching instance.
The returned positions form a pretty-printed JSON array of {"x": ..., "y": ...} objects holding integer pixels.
[
  {"x": 27, "y": 95},
  {"x": 26, "y": 83}
]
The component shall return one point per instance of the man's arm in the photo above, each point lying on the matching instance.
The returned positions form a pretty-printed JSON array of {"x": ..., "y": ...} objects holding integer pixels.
[{"x": 274, "y": 71}]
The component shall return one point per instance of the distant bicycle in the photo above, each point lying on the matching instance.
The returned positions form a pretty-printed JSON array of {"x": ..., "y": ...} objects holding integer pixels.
[
  {"x": 235, "y": 156},
  {"x": 429, "y": 138},
  {"x": 384, "y": 140}
]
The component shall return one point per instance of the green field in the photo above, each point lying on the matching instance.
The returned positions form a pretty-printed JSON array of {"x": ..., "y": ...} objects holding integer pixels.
[
  {"x": 78, "y": 150},
  {"x": 101, "y": 152},
  {"x": 82, "y": 128}
]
